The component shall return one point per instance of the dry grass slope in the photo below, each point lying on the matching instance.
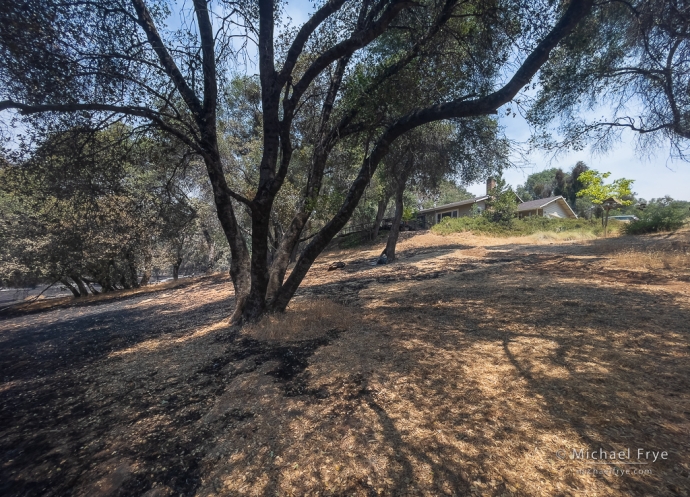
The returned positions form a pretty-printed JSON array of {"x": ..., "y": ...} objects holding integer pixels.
[{"x": 460, "y": 370}]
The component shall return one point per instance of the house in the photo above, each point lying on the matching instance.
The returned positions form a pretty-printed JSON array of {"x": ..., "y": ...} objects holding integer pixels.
[
  {"x": 428, "y": 217},
  {"x": 546, "y": 207}
]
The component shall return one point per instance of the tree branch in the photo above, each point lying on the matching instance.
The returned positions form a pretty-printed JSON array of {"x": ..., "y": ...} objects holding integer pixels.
[
  {"x": 155, "y": 117},
  {"x": 489, "y": 104},
  {"x": 303, "y": 35},
  {"x": 146, "y": 22},
  {"x": 358, "y": 40},
  {"x": 208, "y": 58}
]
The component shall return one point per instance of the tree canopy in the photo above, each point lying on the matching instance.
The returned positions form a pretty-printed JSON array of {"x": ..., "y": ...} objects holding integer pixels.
[
  {"x": 553, "y": 182},
  {"x": 630, "y": 64},
  {"x": 330, "y": 99}
]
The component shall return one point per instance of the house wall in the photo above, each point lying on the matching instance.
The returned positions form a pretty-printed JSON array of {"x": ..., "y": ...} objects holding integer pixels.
[
  {"x": 460, "y": 211},
  {"x": 530, "y": 213},
  {"x": 555, "y": 209}
]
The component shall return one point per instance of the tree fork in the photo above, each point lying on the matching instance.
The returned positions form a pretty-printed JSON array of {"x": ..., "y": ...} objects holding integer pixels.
[{"x": 489, "y": 104}]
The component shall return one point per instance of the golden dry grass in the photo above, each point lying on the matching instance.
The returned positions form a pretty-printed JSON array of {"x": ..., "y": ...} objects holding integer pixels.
[
  {"x": 562, "y": 236},
  {"x": 462, "y": 369},
  {"x": 303, "y": 320},
  {"x": 653, "y": 259}
]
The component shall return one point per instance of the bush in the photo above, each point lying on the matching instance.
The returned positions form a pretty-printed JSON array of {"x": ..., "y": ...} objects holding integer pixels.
[
  {"x": 501, "y": 207},
  {"x": 520, "y": 227},
  {"x": 659, "y": 217}
]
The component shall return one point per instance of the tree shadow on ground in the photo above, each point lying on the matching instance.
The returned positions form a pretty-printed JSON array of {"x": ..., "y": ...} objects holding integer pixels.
[{"x": 470, "y": 381}]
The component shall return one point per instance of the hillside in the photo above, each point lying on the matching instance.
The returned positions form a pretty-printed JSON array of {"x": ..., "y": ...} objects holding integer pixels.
[{"x": 465, "y": 368}]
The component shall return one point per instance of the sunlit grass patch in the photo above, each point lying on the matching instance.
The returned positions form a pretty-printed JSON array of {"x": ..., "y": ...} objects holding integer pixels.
[
  {"x": 673, "y": 260},
  {"x": 303, "y": 320},
  {"x": 563, "y": 235}
]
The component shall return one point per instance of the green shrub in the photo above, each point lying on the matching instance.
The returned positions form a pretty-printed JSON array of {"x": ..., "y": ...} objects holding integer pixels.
[
  {"x": 519, "y": 227},
  {"x": 501, "y": 206},
  {"x": 658, "y": 217}
]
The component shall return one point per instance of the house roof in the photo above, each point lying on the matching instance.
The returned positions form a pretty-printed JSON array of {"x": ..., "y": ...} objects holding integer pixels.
[
  {"x": 445, "y": 207},
  {"x": 543, "y": 202}
]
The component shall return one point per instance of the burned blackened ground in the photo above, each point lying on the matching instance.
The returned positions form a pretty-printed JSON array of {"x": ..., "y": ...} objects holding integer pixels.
[
  {"x": 455, "y": 371},
  {"x": 54, "y": 430}
]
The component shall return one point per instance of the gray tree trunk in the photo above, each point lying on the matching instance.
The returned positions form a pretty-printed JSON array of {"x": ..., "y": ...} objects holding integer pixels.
[
  {"x": 70, "y": 287},
  {"x": 148, "y": 260},
  {"x": 395, "y": 229},
  {"x": 380, "y": 212},
  {"x": 83, "y": 291},
  {"x": 211, "y": 251}
]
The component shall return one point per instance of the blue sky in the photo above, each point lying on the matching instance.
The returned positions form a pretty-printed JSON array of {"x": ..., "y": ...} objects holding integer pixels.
[{"x": 654, "y": 177}]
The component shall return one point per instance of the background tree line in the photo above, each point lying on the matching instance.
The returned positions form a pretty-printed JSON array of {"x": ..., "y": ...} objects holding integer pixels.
[{"x": 100, "y": 210}]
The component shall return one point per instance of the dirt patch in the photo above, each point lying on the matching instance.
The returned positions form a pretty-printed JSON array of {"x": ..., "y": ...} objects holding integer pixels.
[{"x": 463, "y": 369}]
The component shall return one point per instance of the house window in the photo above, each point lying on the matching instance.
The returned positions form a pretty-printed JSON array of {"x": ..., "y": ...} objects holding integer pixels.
[
  {"x": 455, "y": 213},
  {"x": 445, "y": 214},
  {"x": 438, "y": 218}
]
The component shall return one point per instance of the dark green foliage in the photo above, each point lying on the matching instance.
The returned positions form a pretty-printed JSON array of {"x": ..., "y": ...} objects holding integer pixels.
[
  {"x": 537, "y": 185},
  {"x": 662, "y": 215},
  {"x": 97, "y": 208},
  {"x": 574, "y": 185},
  {"x": 502, "y": 206},
  {"x": 553, "y": 182}
]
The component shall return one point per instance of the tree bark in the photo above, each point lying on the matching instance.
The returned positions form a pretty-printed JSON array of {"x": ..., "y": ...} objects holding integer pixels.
[
  {"x": 176, "y": 269},
  {"x": 83, "y": 291},
  {"x": 606, "y": 222},
  {"x": 380, "y": 212},
  {"x": 290, "y": 241},
  {"x": 211, "y": 251},
  {"x": 133, "y": 277},
  {"x": 148, "y": 260},
  {"x": 124, "y": 281},
  {"x": 70, "y": 287},
  {"x": 395, "y": 229}
]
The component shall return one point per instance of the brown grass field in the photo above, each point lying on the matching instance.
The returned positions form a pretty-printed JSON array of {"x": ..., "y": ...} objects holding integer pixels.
[{"x": 471, "y": 366}]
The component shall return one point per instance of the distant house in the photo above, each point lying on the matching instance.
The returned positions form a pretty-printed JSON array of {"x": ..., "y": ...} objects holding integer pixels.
[
  {"x": 428, "y": 217},
  {"x": 546, "y": 207}
]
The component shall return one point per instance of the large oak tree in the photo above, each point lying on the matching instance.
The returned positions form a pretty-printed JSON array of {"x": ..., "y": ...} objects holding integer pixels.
[{"x": 114, "y": 59}]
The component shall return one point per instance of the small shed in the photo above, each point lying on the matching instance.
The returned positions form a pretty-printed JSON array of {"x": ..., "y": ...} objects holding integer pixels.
[{"x": 547, "y": 207}]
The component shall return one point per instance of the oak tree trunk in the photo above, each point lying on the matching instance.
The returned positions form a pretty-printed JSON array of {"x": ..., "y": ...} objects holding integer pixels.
[
  {"x": 176, "y": 268},
  {"x": 211, "y": 251},
  {"x": 148, "y": 261},
  {"x": 83, "y": 291},
  {"x": 395, "y": 229},
  {"x": 70, "y": 287},
  {"x": 380, "y": 212}
]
